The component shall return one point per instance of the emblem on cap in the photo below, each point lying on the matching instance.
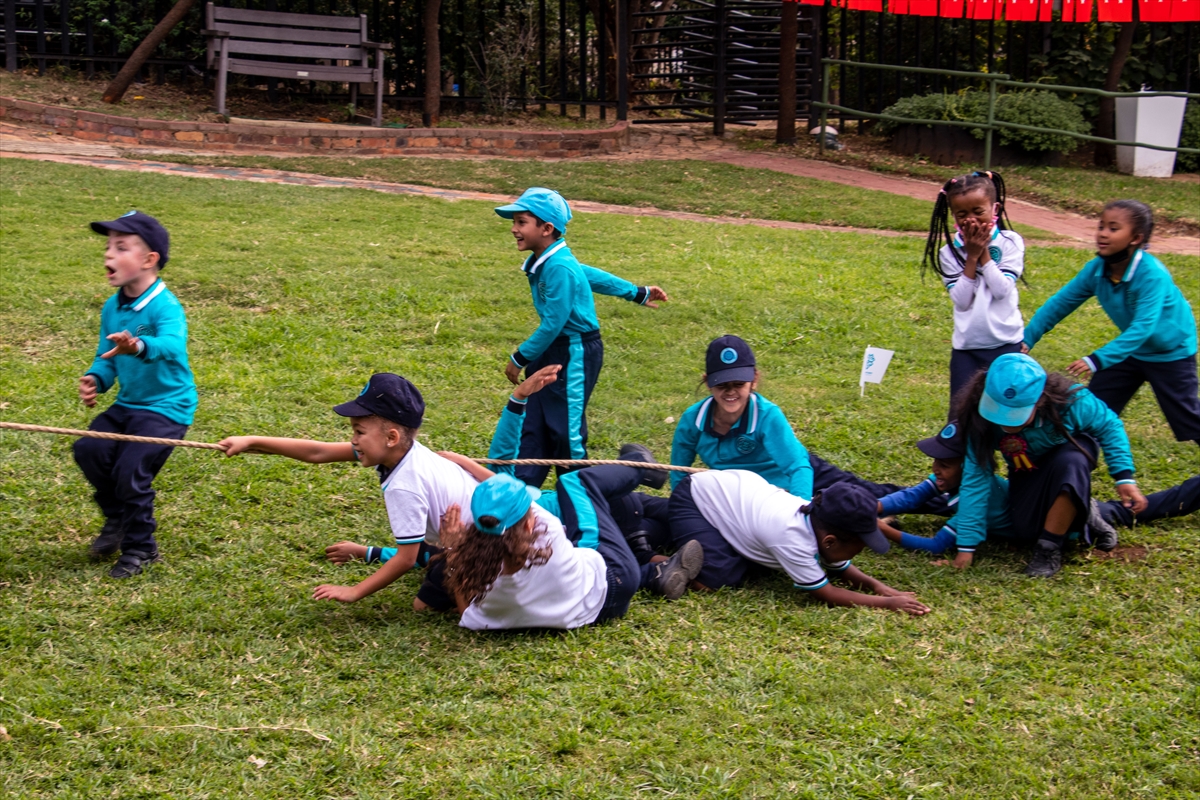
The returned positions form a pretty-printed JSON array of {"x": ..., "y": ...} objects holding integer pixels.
[
  {"x": 728, "y": 355},
  {"x": 1010, "y": 393},
  {"x": 364, "y": 391},
  {"x": 129, "y": 213},
  {"x": 949, "y": 431}
]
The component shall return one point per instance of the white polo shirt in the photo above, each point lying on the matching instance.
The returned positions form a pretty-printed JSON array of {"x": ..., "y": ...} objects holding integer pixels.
[
  {"x": 418, "y": 492},
  {"x": 568, "y": 591},
  {"x": 763, "y": 523},
  {"x": 986, "y": 312}
]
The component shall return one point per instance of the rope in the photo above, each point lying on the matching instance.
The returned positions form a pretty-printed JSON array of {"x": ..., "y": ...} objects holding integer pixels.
[{"x": 540, "y": 462}]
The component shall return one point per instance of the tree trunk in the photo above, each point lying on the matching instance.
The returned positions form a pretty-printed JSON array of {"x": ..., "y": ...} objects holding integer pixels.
[
  {"x": 1106, "y": 125},
  {"x": 116, "y": 90},
  {"x": 432, "y": 111},
  {"x": 789, "y": 24}
]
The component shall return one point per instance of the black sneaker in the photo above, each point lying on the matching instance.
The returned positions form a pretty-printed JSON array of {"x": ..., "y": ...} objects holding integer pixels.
[
  {"x": 108, "y": 542},
  {"x": 671, "y": 577},
  {"x": 640, "y": 545},
  {"x": 1046, "y": 561},
  {"x": 130, "y": 564},
  {"x": 654, "y": 478},
  {"x": 1104, "y": 535}
]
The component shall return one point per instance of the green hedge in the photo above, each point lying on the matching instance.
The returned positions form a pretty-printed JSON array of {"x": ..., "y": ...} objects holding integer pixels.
[
  {"x": 1041, "y": 109},
  {"x": 1190, "y": 137}
]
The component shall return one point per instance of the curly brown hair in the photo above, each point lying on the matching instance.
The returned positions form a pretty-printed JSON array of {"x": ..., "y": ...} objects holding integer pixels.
[
  {"x": 980, "y": 433},
  {"x": 474, "y": 559}
]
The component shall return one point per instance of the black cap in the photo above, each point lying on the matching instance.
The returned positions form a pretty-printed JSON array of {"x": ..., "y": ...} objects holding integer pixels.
[
  {"x": 152, "y": 232},
  {"x": 728, "y": 359},
  {"x": 851, "y": 508},
  {"x": 388, "y": 396},
  {"x": 947, "y": 444}
]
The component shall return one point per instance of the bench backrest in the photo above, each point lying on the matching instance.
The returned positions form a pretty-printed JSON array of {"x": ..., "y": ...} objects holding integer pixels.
[{"x": 271, "y": 33}]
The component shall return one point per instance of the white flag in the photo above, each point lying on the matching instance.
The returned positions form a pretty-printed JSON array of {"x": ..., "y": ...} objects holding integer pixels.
[{"x": 875, "y": 364}]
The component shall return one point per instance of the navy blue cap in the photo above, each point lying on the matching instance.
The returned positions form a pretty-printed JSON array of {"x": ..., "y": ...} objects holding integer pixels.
[
  {"x": 388, "y": 396},
  {"x": 947, "y": 444},
  {"x": 151, "y": 230},
  {"x": 728, "y": 358},
  {"x": 851, "y": 508}
]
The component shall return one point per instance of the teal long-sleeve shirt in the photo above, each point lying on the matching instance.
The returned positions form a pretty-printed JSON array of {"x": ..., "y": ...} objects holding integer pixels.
[
  {"x": 159, "y": 378},
  {"x": 1086, "y": 413},
  {"x": 562, "y": 296},
  {"x": 1155, "y": 319},
  {"x": 762, "y": 441}
]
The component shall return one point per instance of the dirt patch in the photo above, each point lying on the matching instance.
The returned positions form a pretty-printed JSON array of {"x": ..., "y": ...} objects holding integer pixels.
[{"x": 1126, "y": 554}]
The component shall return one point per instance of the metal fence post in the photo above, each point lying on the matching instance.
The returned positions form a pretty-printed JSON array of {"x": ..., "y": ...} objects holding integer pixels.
[
  {"x": 987, "y": 137},
  {"x": 10, "y": 35},
  {"x": 824, "y": 105},
  {"x": 719, "y": 83},
  {"x": 622, "y": 59}
]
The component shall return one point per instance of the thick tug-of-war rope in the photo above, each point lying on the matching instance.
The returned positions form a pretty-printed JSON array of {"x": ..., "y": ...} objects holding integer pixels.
[{"x": 539, "y": 462}]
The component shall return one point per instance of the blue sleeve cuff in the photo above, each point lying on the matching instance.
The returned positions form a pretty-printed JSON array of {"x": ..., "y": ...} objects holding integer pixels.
[
  {"x": 1093, "y": 362},
  {"x": 519, "y": 360},
  {"x": 1127, "y": 481},
  {"x": 641, "y": 295},
  {"x": 517, "y": 406},
  {"x": 373, "y": 555}
]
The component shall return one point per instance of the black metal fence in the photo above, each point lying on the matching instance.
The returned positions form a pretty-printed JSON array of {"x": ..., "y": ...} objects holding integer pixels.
[{"x": 670, "y": 59}]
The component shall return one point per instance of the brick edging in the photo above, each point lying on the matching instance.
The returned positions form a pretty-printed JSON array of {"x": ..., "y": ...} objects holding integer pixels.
[{"x": 216, "y": 136}]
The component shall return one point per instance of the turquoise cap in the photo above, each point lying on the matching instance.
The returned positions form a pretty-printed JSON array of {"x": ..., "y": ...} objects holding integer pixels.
[
  {"x": 545, "y": 204},
  {"x": 1013, "y": 387},
  {"x": 503, "y": 497}
]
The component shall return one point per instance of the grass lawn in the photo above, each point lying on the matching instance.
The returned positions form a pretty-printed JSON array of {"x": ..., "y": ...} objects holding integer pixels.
[
  {"x": 1082, "y": 189},
  {"x": 695, "y": 186},
  {"x": 215, "y": 675}
]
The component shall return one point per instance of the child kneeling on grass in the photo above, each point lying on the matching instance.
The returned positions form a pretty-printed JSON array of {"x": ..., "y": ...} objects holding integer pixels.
[
  {"x": 143, "y": 346},
  {"x": 418, "y": 485},
  {"x": 741, "y": 519},
  {"x": 1049, "y": 431}
]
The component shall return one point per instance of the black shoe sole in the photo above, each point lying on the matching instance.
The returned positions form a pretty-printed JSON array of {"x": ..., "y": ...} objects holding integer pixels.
[
  {"x": 682, "y": 569},
  {"x": 653, "y": 478},
  {"x": 122, "y": 571}
]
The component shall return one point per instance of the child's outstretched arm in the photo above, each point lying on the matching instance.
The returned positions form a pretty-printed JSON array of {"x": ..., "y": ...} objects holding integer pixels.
[
  {"x": 393, "y": 568},
  {"x": 299, "y": 449},
  {"x": 898, "y": 601},
  {"x": 602, "y": 282}
]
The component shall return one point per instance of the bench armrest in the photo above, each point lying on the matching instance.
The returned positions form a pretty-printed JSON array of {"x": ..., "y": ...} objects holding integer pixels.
[
  {"x": 377, "y": 46},
  {"x": 215, "y": 34}
]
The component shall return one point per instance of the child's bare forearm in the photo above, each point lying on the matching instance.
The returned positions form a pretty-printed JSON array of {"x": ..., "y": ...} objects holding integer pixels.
[
  {"x": 837, "y": 596},
  {"x": 306, "y": 450},
  {"x": 475, "y": 470}
]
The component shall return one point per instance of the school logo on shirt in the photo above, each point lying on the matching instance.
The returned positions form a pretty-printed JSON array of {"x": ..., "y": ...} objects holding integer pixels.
[
  {"x": 745, "y": 445},
  {"x": 541, "y": 290},
  {"x": 144, "y": 330},
  {"x": 994, "y": 252}
]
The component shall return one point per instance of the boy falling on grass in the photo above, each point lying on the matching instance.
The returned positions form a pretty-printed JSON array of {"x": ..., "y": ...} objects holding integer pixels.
[
  {"x": 569, "y": 334},
  {"x": 143, "y": 347},
  {"x": 418, "y": 485}
]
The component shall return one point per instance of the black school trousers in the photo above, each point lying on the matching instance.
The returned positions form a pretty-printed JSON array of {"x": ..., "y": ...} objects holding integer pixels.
[
  {"x": 1175, "y": 385},
  {"x": 122, "y": 473},
  {"x": 556, "y": 417},
  {"x": 965, "y": 363},
  {"x": 1177, "y": 501}
]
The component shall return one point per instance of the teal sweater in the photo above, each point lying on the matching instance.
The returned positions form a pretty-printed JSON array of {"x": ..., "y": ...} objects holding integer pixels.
[
  {"x": 562, "y": 296},
  {"x": 159, "y": 378},
  {"x": 1156, "y": 321}
]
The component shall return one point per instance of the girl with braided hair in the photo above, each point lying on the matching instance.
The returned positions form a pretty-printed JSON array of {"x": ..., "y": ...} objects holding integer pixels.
[{"x": 979, "y": 263}]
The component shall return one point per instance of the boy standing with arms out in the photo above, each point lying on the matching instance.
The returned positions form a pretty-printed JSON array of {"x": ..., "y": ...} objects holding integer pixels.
[
  {"x": 143, "y": 346},
  {"x": 569, "y": 333}
]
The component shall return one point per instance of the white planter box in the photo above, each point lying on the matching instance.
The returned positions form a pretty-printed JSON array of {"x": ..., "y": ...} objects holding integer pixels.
[{"x": 1151, "y": 120}]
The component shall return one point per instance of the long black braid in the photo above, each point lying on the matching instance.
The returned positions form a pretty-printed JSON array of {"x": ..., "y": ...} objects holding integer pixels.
[{"x": 940, "y": 228}]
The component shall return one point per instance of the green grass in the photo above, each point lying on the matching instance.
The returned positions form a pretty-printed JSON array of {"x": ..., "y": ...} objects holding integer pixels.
[
  {"x": 1083, "y": 190},
  {"x": 694, "y": 186},
  {"x": 170, "y": 684}
]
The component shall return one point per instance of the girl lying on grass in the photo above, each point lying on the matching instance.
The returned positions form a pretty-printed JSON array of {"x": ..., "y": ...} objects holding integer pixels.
[{"x": 1049, "y": 431}]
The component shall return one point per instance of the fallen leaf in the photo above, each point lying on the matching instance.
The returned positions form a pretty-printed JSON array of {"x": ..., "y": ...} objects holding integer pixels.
[
  {"x": 669, "y": 420},
  {"x": 258, "y": 762},
  {"x": 138, "y": 97}
]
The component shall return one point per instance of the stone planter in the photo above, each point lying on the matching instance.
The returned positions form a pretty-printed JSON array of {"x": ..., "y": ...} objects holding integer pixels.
[
  {"x": 949, "y": 147},
  {"x": 1151, "y": 120}
]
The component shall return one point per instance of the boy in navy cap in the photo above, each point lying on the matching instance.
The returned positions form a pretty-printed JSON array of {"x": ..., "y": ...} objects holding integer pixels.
[
  {"x": 569, "y": 333},
  {"x": 143, "y": 347},
  {"x": 418, "y": 485}
]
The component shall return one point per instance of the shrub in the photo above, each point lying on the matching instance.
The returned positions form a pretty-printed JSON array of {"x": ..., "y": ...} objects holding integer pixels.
[
  {"x": 1040, "y": 109},
  {"x": 1190, "y": 137}
]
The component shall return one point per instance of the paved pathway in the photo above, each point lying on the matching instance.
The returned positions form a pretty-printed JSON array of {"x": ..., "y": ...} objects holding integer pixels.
[{"x": 649, "y": 142}]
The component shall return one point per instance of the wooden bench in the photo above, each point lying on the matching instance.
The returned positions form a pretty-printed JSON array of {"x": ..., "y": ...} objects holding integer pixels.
[{"x": 296, "y": 46}]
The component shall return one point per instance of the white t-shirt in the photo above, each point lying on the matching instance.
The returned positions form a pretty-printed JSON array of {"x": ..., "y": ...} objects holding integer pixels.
[
  {"x": 986, "y": 314},
  {"x": 418, "y": 492},
  {"x": 763, "y": 523},
  {"x": 568, "y": 591}
]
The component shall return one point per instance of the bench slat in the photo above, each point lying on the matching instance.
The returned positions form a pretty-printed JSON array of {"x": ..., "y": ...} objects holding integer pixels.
[
  {"x": 289, "y": 34},
  {"x": 304, "y": 72},
  {"x": 281, "y": 18},
  {"x": 293, "y": 50}
]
